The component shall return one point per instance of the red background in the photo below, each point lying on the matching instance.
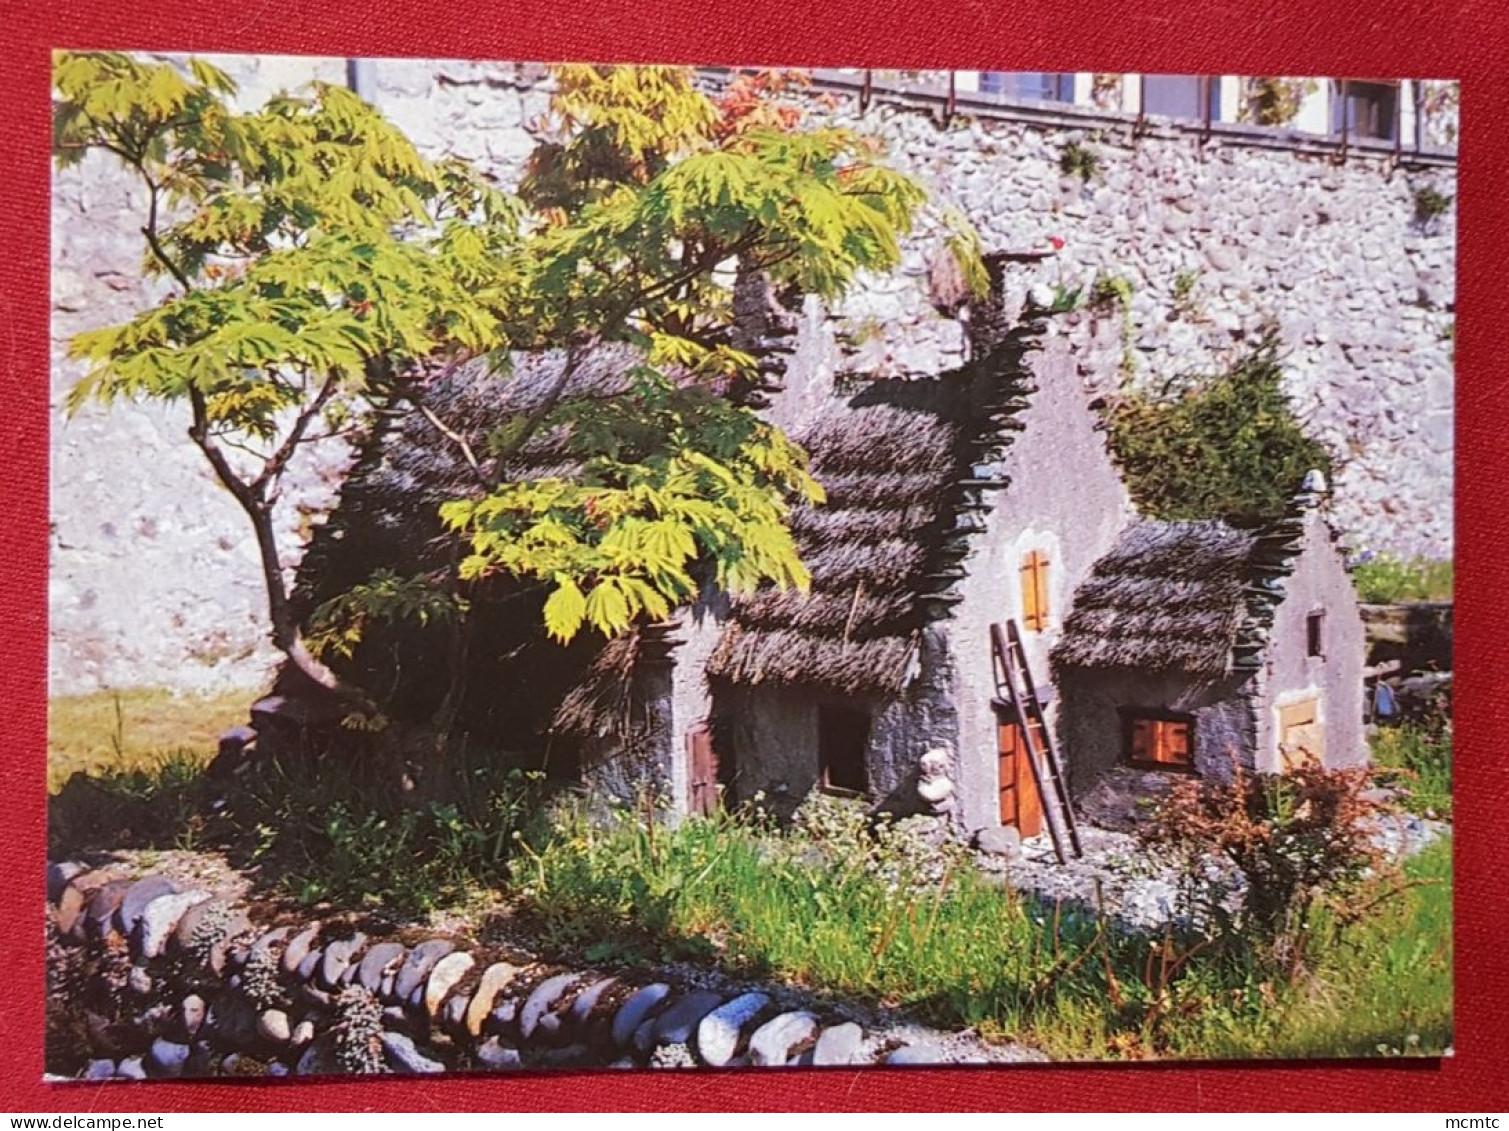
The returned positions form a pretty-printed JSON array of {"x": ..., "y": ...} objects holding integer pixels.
[{"x": 1465, "y": 39}]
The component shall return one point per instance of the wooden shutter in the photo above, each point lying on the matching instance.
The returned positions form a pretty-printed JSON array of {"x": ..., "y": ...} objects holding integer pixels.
[
  {"x": 1172, "y": 746},
  {"x": 1163, "y": 742},
  {"x": 1035, "y": 591}
]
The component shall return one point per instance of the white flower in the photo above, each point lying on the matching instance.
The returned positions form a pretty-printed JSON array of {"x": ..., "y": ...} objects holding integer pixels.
[{"x": 1041, "y": 295}]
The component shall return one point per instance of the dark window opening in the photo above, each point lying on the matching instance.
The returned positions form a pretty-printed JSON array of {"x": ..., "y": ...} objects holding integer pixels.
[
  {"x": 1159, "y": 739},
  {"x": 1365, "y": 109},
  {"x": 1315, "y": 639},
  {"x": 1030, "y": 85},
  {"x": 843, "y": 736}
]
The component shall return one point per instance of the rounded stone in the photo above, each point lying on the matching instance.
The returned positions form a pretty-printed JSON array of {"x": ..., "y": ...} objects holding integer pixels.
[
  {"x": 302, "y": 1034},
  {"x": 267, "y": 940},
  {"x": 718, "y": 1033},
  {"x": 443, "y": 978},
  {"x": 166, "y": 1059},
  {"x": 404, "y": 1057},
  {"x": 838, "y": 1044},
  {"x": 680, "y": 1020},
  {"x": 103, "y": 905},
  {"x": 273, "y": 1027},
  {"x": 337, "y": 957},
  {"x": 131, "y": 1068},
  {"x": 497, "y": 1057},
  {"x": 191, "y": 1014},
  {"x": 773, "y": 1041},
  {"x": 377, "y": 962},
  {"x": 135, "y": 901},
  {"x": 918, "y": 1054},
  {"x": 417, "y": 966},
  {"x": 160, "y": 918},
  {"x": 637, "y": 1007},
  {"x": 58, "y": 877},
  {"x": 492, "y": 983},
  {"x": 298, "y": 948},
  {"x": 540, "y": 999},
  {"x": 586, "y": 1002}
]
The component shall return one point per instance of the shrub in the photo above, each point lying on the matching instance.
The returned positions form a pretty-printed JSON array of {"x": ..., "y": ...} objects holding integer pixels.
[
  {"x": 1225, "y": 447},
  {"x": 1382, "y": 579},
  {"x": 1077, "y": 160},
  {"x": 1289, "y": 840},
  {"x": 332, "y": 829}
]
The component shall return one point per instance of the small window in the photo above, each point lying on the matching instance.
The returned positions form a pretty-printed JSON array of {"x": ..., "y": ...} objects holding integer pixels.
[
  {"x": 1365, "y": 109},
  {"x": 1315, "y": 633},
  {"x": 843, "y": 736},
  {"x": 1160, "y": 740},
  {"x": 1035, "y": 579},
  {"x": 1031, "y": 86},
  {"x": 1181, "y": 96}
]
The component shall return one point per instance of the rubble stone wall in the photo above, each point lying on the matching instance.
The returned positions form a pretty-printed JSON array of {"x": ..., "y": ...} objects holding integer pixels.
[{"x": 155, "y": 579}]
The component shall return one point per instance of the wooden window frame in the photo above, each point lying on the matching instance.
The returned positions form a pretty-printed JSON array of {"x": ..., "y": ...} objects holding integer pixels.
[
  {"x": 1131, "y": 716},
  {"x": 1035, "y": 578}
]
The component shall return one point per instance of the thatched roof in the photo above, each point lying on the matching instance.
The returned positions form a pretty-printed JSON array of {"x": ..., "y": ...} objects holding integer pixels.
[
  {"x": 1193, "y": 597},
  {"x": 907, "y": 467},
  {"x": 388, "y": 516}
]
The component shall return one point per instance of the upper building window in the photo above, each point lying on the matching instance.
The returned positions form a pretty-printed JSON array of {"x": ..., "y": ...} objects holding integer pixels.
[
  {"x": 1315, "y": 634},
  {"x": 1029, "y": 85},
  {"x": 1035, "y": 580},
  {"x": 1365, "y": 109},
  {"x": 1181, "y": 96}
]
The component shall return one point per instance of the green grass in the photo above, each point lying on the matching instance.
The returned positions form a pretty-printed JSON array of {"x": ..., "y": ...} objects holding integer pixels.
[
  {"x": 1415, "y": 758},
  {"x": 962, "y": 952},
  {"x": 1386, "y": 580},
  {"x": 1383, "y": 989},
  {"x": 136, "y": 730}
]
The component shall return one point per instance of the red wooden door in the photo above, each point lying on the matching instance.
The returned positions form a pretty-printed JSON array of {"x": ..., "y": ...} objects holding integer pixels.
[
  {"x": 1021, "y": 806},
  {"x": 703, "y": 777}
]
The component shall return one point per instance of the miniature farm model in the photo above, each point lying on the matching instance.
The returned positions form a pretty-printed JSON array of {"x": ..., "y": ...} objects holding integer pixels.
[{"x": 676, "y": 567}]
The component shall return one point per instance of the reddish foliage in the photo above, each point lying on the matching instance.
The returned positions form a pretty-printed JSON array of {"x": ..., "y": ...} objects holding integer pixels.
[{"x": 1292, "y": 837}]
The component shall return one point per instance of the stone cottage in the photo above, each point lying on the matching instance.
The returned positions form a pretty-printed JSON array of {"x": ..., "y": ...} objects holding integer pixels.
[
  {"x": 1195, "y": 643},
  {"x": 954, "y": 502},
  {"x": 587, "y": 707}
]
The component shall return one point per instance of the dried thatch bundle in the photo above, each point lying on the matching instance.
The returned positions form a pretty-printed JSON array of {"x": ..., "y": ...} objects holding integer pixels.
[
  {"x": 603, "y": 701},
  {"x": 788, "y": 657},
  {"x": 1169, "y": 596},
  {"x": 891, "y": 459}
]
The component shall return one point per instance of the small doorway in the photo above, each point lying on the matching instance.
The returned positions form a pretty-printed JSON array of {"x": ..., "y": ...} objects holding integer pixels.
[
  {"x": 703, "y": 778},
  {"x": 843, "y": 736},
  {"x": 1021, "y": 806}
]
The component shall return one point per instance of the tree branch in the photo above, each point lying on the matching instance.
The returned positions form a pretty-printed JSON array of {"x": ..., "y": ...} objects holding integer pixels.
[{"x": 279, "y": 459}]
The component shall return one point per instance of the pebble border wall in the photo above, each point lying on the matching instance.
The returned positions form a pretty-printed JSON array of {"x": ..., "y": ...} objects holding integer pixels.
[
  {"x": 150, "y": 978},
  {"x": 1210, "y": 241}
]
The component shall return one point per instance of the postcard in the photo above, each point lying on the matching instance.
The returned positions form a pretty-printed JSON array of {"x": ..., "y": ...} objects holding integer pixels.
[{"x": 584, "y": 566}]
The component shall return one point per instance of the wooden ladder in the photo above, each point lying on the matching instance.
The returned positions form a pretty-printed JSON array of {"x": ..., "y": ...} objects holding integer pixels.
[{"x": 1016, "y": 688}]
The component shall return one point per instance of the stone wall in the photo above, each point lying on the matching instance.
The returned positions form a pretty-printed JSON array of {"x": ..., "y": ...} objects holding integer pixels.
[
  {"x": 155, "y": 976},
  {"x": 1215, "y": 241},
  {"x": 154, "y": 574}
]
